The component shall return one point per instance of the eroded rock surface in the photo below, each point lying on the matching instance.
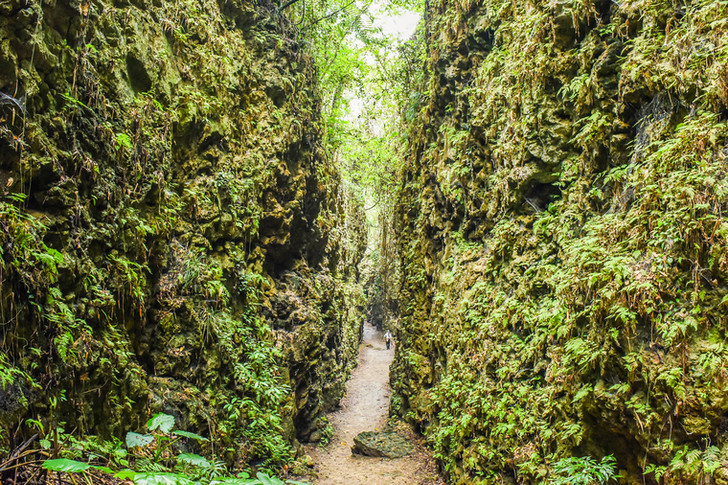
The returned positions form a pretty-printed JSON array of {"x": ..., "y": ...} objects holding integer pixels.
[
  {"x": 381, "y": 443},
  {"x": 170, "y": 225},
  {"x": 562, "y": 237}
]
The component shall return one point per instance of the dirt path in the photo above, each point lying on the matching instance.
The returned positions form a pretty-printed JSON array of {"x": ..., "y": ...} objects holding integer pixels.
[{"x": 365, "y": 408}]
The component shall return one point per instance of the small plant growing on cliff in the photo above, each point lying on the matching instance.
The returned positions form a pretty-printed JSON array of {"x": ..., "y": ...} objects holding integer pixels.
[
  {"x": 327, "y": 432},
  {"x": 579, "y": 470},
  {"x": 123, "y": 141}
]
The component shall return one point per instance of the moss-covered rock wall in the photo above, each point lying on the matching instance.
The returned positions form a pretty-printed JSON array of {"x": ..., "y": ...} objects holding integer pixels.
[
  {"x": 563, "y": 242},
  {"x": 172, "y": 232}
]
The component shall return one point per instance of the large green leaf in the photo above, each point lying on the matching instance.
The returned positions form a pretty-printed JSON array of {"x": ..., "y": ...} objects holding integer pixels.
[
  {"x": 135, "y": 439},
  {"x": 161, "y": 421},
  {"x": 65, "y": 465},
  {"x": 125, "y": 473},
  {"x": 266, "y": 480},
  {"x": 262, "y": 479},
  {"x": 193, "y": 459},
  {"x": 235, "y": 481},
  {"x": 187, "y": 434},
  {"x": 161, "y": 479}
]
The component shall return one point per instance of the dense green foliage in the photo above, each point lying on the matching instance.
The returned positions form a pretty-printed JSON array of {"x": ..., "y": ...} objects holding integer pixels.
[
  {"x": 563, "y": 244},
  {"x": 153, "y": 457},
  {"x": 370, "y": 150}
]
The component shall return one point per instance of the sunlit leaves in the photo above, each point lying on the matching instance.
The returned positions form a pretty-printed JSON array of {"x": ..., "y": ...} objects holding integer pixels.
[
  {"x": 66, "y": 465},
  {"x": 162, "y": 422},
  {"x": 138, "y": 440},
  {"x": 187, "y": 434},
  {"x": 194, "y": 460}
]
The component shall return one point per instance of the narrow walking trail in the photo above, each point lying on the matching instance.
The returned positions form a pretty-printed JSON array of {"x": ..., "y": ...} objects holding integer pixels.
[{"x": 365, "y": 408}]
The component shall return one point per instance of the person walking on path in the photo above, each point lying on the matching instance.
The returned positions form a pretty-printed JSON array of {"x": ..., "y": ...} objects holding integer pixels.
[{"x": 388, "y": 338}]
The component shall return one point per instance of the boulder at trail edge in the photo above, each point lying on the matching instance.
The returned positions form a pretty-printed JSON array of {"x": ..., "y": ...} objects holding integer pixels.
[{"x": 381, "y": 443}]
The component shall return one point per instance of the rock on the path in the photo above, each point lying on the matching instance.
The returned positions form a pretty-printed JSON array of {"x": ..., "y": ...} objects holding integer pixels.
[{"x": 381, "y": 443}]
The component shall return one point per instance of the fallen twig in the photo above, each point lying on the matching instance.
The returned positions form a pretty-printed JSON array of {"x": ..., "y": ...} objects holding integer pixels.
[{"x": 17, "y": 453}]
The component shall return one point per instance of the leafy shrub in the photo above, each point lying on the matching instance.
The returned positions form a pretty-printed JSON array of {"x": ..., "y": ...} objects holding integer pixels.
[
  {"x": 157, "y": 463},
  {"x": 583, "y": 470}
]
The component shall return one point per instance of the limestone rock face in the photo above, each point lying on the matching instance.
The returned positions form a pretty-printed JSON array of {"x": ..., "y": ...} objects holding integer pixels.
[
  {"x": 170, "y": 225},
  {"x": 562, "y": 240},
  {"x": 381, "y": 443}
]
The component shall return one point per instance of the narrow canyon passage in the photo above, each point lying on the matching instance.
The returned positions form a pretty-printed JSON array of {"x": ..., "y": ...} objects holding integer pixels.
[
  {"x": 203, "y": 201},
  {"x": 365, "y": 408}
]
